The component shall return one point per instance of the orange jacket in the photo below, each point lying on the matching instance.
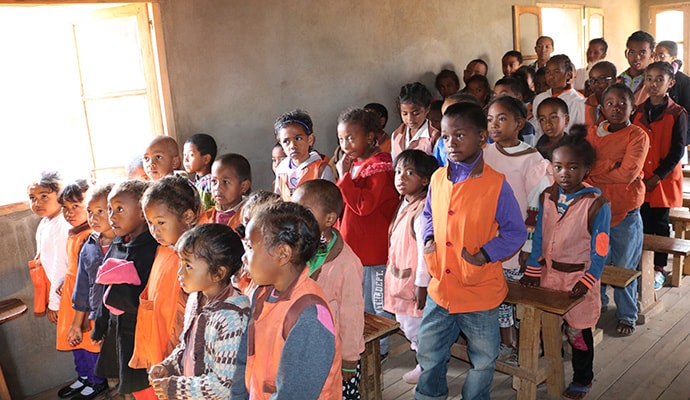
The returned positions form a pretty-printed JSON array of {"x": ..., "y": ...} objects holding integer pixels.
[
  {"x": 66, "y": 313},
  {"x": 464, "y": 217},
  {"x": 617, "y": 171},
  {"x": 266, "y": 337},
  {"x": 593, "y": 116},
  {"x": 209, "y": 216},
  {"x": 313, "y": 170},
  {"x": 161, "y": 312}
]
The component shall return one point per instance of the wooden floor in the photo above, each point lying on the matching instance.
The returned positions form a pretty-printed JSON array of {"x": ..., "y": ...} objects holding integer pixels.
[{"x": 653, "y": 363}]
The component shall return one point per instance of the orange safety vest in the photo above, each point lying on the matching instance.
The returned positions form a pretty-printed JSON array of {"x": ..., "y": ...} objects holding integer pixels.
[
  {"x": 464, "y": 216},
  {"x": 268, "y": 328},
  {"x": 161, "y": 312}
]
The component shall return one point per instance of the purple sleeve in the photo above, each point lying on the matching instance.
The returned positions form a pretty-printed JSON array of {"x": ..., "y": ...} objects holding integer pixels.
[
  {"x": 511, "y": 227},
  {"x": 428, "y": 221}
]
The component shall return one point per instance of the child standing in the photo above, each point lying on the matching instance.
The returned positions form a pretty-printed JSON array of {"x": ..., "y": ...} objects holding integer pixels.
[
  {"x": 559, "y": 75},
  {"x": 367, "y": 184},
  {"x": 415, "y": 132},
  {"x": 170, "y": 207},
  {"x": 639, "y": 51},
  {"x": 129, "y": 261},
  {"x": 231, "y": 180},
  {"x": 471, "y": 212},
  {"x": 511, "y": 62},
  {"x": 571, "y": 241},
  {"x": 407, "y": 276},
  {"x": 666, "y": 124},
  {"x": 478, "y": 86},
  {"x": 161, "y": 158},
  {"x": 447, "y": 83},
  {"x": 338, "y": 271},
  {"x": 50, "y": 264},
  {"x": 203, "y": 365},
  {"x": 295, "y": 132},
  {"x": 291, "y": 346},
  {"x": 553, "y": 118},
  {"x": 601, "y": 76},
  {"x": 526, "y": 172},
  {"x": 621, "y": 150},
  {"x": 199, "y": 153},
  {"x": 382, "y": 138},
  {"x": 85, "y": 353}
]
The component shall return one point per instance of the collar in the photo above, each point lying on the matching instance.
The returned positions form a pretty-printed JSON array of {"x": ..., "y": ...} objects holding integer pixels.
[
  {"x": 459, "y": 171},
  {"x": 423, "y": 132}
]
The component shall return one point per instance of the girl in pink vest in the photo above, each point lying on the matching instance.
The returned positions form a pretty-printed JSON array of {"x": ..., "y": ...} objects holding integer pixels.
[
  {"x": 407, "y": 277},
  {"x": 569, "y": 248},
  {"x": 415, "y": 132}
]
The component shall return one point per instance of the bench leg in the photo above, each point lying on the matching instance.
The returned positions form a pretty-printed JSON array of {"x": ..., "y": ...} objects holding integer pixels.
[
  {"x": 553, "y": 344},
  {"x": 528, "y": 357},
  {"x": 685, "y": 260},
  {"x": 4, "y": 391},
  {"x": 678, "y": 261},
  {"x": 648, "y": 304},
  {"x": 370, "y": 387}
]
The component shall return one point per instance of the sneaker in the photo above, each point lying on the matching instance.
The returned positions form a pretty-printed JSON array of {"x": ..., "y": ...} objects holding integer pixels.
[
  {"x": 413, "y": 376},
  {"x": 72, "y": 389},
  {"x": 508, "y": 355},
  {"x": 659, "y": 279}
]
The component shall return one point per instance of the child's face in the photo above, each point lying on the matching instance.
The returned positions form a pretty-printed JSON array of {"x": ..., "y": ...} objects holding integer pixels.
[
  {"x": 97, "y": 215},
  {"x": 617, "y": 109},
  {"x": 503, "y": 125},
  {"x": 277, "y": 155},
  {"x": 510, "y": 64},
  {"x": 160, "y": 161},
  {"x": 556, "y": 76},
  {"x": 447, "y": 86},
  {"x": 407, "y": 181},
  {"x": 194, "y": 274},
  {"x": 473, "y": 69},
  {"x": 125, "y": 215},
  {"x": 661, "y": 53},
  {"x": 354, "y": 141},
  {"x": 193, "y": 160},
  {"x": 264, "y": 263},
  {"x": 74, "y": 212},
  {"x": 462, "y": 140},
  {"x": 313, "y": 204},
  {"x": 595, "y": 52},
  {"x": 296, "y": 143},
  {"x": 552, "y": 120},
  {"x": 43, "y": 201},
  {"x": 599, "y": 80},
  {"x": 413, "y": 115},
  {"x": 657, "y": 82},
  {"x": 544, "y": 48},
  {"x": 226, "y": 187},
  {"x": 479, "y": 91},
  {"x": 568, "y": 169},
  {"x": 434, "y": 118},
  {"x": 639, "y": 55},
  {"x": 502, "y": 90},
  {"x": 540, "y": 85},
  {"x": 165, "y": 226}
]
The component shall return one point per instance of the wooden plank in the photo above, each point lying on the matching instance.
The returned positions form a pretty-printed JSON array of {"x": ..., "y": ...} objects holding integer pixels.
[
  {"x": 553, "y": 301},
  {"x": 618, "y": 276},
  {"x": 376, "y": 326},
  {"x": 679, "y": 214},
  {"x": 11, "y": 309},
  {"x": 664, "y": 244}
]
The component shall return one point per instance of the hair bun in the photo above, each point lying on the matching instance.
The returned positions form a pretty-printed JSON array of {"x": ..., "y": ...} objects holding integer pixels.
[{"x": 578, "y": 131}]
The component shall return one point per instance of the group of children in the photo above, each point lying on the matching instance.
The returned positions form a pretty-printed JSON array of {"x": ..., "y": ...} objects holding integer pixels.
[{"x": 196, "y": 288}]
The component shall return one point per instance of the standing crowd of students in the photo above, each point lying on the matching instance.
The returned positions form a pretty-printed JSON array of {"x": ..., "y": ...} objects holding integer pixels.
[{"x": 193, "y": 286}]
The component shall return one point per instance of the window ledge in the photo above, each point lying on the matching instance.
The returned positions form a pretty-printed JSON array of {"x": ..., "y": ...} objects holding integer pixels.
[{"x": 13, "y": 208}]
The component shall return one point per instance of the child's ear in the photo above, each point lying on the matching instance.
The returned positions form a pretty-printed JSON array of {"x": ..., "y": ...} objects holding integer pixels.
[
  {"x": 283, "y": 253},
  {"x": 520, "y": 123},
  {"x": 671, "y": 83},
  {"x": 567, "y": 119},
  {"x": 206, "y": 159},
  {"x": 220, "y": 275},
  {"x": 245, "y": 185},
  {"x": 176, "y": 162},
  {"x": 482, "y": 137},
  {"x": 331, "y": 217},
  {"x": 426, "y": 110},
  {"x": 311, "y": 139}
]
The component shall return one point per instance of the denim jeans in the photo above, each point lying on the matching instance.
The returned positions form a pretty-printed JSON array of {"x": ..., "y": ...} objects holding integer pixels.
[
  {"x": 625, "y": 250},
  {"x": 372, "y": 288},
  {"x": 438, "y": 332}
]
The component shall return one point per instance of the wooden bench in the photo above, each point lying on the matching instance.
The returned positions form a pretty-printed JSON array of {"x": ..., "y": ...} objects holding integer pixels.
[
  {"x": 371, "y": 382},
  {"x": 618, "y": 276},
  {"x": 9, "y": 310},
  {"x": 539, "y": 310},
  {"x": 680, "y": 220}
]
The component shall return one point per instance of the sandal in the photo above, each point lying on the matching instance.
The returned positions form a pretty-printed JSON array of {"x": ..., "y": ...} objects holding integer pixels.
[
  {"x": 576, "y": 392},
  {"x": 625, "y": 328}
]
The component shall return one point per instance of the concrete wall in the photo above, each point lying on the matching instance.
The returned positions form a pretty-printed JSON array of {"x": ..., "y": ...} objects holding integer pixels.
[{"x": 235, "y": 66}]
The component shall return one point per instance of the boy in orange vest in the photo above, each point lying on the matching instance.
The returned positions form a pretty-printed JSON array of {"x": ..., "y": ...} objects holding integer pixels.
[{"x": 467, "y": 206}]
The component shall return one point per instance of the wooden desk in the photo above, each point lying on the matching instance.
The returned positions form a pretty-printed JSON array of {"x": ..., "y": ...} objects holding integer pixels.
[
  {"x": 371, "y": 382},
  {"x": 9, "y": 310},
  {"x": 680, "y": 220},
  {"x": 539, "y": 310}
]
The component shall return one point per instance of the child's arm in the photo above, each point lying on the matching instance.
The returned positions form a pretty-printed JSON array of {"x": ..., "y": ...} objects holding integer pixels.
[
  {"x": 74, "y": 336},
  {"x": 364, "y": 198},
  {"x": 310, "y": 346},
  {"x": 422, "y": 276},
  {"x": 675, "y": 153},
  {"x": 511, "y": 227},
  {"x": 351, "y": 319},
  {"x": 598, "y": 252},
  {"x": 624, "y": 170},
  {"x": 532, "y": 275}
]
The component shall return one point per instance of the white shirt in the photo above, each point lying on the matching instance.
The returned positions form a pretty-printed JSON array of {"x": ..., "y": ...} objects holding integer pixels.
[{"x": 51, "y": 245}]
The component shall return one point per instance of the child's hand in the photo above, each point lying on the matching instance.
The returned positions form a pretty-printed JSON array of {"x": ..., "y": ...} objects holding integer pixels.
[
  {"x": 58, "y": 290},
  {"x": 474, "y": 259},
  {"x": 343, "y": 165},
  {"x": 160, "y": 386},
  {"x": 522, "y": 259},
  {"x": 429, "y": 247},
  {"x": 652, "y": 182},
  {"x": 157, "y": 372},
  {"x": 420, "y": 297},
  {"x": 74, "y": 336},
  {"x": 530, "y": 281},
  {"x": 52, "y": 316},
  {"x": 578, "y": 290}
]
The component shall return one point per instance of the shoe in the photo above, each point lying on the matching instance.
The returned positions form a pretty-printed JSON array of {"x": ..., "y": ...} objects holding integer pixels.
[
  {"x": 73, "y": 388},
  {"x": 659, "y": 279},
  {"x": 91, "y": 391},
  {"x": 413, "y": 376},
  {"x": 508, "y": 355}
]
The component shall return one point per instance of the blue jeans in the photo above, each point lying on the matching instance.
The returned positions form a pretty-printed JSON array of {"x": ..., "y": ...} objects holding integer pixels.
[
  {"x": 625, "y": 250},
  {"x": 372, "y": 288},
  {"x": 438, "y": 332}
]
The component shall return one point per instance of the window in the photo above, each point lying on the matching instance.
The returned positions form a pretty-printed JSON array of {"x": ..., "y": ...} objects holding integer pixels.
[
  {"x": 672, "y": 23},
  {"x": 82, "y": 95}
]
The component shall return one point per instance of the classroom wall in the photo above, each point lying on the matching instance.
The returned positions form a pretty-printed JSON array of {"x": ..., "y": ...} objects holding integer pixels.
[{"x": 234, "y": 66}]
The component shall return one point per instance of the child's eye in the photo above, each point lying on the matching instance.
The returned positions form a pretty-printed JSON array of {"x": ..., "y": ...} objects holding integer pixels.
[
  {"x": 159, "y": 157},
  {"x": 226, "y": 182},
  {"x": 147, "y": 158},
  {"x": 460, "y": 136},
  {"x": 187, "y": 266}
]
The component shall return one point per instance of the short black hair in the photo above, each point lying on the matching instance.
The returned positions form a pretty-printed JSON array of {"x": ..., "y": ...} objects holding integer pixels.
[
  {"x": 176, "y": 192},
  {"x": 554, "y": 101},
  {"x": 444, "y": 74},
  {"x": 470, "y": 112},
  {"x": 325, "y": 192},
  {"x": 415, "y": 93},
  {"x": 641, "y": 36},
  {"x": 627, "y": 92},
  {"x": 479, "y": 61},
  {"x": 217, "y": 244},
  {"x": 367, "y": 119},
  {"x": 297, "y": 117},
  {"x": 607, "y": 66},
  {"x": 513, "y": 83},
  {"x": 563, "y": 59},
  {"x": 601, "y": 42},
  {"x": 669, "y": 45},
  {"x": 380, "y": 109},
  {"x": 239, "y": 164},
  {"x": 134, "y": 187},
  {"x": 514, "y": 105},
  {"x": 74, "y": 192},
  {"x": 424, "y": 164},
  {"x": 205, "y": 144},
  {"x": 513, "y": 53},
  {"x": 665, "y": 67}
]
